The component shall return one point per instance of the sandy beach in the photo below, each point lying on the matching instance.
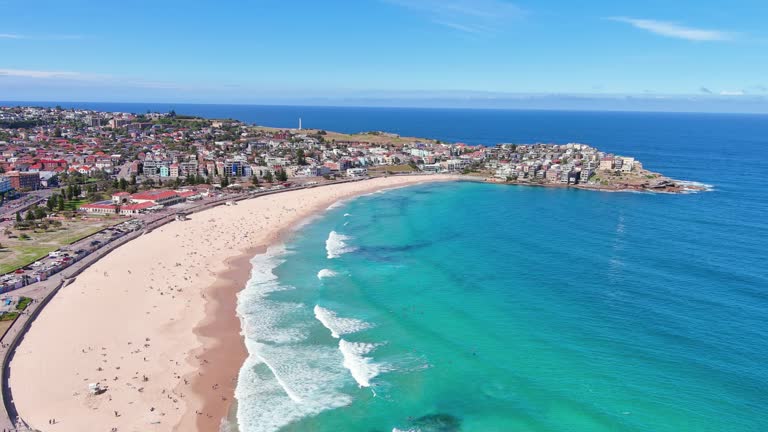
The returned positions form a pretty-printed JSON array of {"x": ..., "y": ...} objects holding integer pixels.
[{"x": 155, "y": 321}]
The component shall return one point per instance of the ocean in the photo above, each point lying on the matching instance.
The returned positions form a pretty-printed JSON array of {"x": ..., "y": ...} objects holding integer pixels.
[{"x": 480, "y": 307}]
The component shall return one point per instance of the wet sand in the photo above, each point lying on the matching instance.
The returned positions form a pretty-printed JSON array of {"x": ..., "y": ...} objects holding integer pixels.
[{"x": 155, "y": 321}]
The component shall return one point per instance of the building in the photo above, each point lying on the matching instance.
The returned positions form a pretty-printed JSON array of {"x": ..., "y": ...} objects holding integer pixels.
[
  {"x": 188, "y": 168},
  {"x": 628, "y": 164},
  {"x": 357, "y": 172},
  {"x": 121, "y": 197},
  {"x": 103, "y": 207},
  {"x": 109, "y": 207},
  {"x": 234, "y": 168},
  {"x": 132, "y": 209},
  {"x": 157, "y": 197},
  {"x": 24, "y": 180},
  {"x": 5, "y": 184},
  {"x": 585, "y": 174},
  {"x": 116, "y": 123},
  {"x": 189, "y": 195},
  {"x": 606, "y": 164},
  {"x": 92, "y": 121}
]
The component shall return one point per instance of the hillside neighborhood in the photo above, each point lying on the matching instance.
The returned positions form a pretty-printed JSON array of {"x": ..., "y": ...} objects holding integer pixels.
[{"x": 67, "y": 174}]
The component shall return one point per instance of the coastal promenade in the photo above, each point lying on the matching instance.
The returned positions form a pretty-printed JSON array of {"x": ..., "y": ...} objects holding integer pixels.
[{"x": 42, "y": 292}]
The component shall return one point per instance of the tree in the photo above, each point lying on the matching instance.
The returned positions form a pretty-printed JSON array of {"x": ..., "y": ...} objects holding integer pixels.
[
  {"x": 51, "y": 203},
  {"x": 70, "y": 192},
  {"x": 123, "y": 184},
  {"x": 225, "y": 181},
  {"x": 18, "y": 216},
  {"x": 255, "y": 180},
  {"x": 300, "y": 158},
  {"x": 57, "y": 132},
  {"x": 268, "y": 177},
  {"x": 30, "y": 215},
  {"x": 282, "y": 175},
  {"x": 60, "y": 202},
  {"x": 40, "y": 213}
]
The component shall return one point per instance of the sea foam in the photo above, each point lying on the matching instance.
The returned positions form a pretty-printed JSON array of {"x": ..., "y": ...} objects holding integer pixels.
[
  {"x": 362, "y": 368},
  {"x": 336, "y": 245},
  {"x": 325, "y": 273},
  {"x": 297, "y": 382},
  {"x": 285, "y": 377},
  {"x": 337, "y": 325},
  {"x": 704, "y": 187}
]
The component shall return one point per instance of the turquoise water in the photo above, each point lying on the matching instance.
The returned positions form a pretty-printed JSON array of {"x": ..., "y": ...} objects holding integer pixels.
[{"x": 479, "y": 307}]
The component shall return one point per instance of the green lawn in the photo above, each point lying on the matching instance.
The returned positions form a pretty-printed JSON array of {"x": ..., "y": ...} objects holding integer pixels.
[
  {"x": 23, "y": 303},
  {"x": 73, "y": 205},
  {"x": 8, "y": 316},
  {"x": 392, "y": 168},
  {"x": 17, "y": 253}
]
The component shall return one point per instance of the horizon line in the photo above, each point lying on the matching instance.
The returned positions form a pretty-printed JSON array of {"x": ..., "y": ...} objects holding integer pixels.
[{"x": 49, "y": 103}]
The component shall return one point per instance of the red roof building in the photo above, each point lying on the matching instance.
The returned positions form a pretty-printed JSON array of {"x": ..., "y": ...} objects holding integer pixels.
[{"x": 158, "y": 197}]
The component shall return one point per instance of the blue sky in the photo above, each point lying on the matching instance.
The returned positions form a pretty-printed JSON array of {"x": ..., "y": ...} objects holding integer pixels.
[{"x": 422, "y": 52}]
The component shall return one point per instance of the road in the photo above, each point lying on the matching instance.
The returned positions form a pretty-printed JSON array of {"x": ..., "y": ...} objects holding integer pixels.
[{"x": 9, "y": 208}]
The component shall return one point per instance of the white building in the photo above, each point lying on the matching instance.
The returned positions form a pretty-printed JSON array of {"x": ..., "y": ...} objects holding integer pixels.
[{"x": 357, "y": 172}]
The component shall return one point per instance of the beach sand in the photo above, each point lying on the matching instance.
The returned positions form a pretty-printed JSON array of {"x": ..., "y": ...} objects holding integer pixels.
[{"x": 155, "y": 321}]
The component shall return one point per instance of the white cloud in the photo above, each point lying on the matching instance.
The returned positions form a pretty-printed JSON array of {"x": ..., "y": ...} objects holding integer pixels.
[
  {"x": 40, "y": 37},
  {"x": 674, "y": 30},
  {"x": 731, "y": 93},
  {"x": 468, "y": 16},
  {"x": 84, "y": 79},
  {"x": 38, "y": 74}
]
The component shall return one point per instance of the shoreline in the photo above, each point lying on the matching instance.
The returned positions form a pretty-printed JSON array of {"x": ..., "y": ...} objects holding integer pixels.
[
  {"x": 222, "y": 343},
  {"x": 216, "y": 246},
  {"x": 681, "y": 187},
  {"x": 222, "y": 347}
]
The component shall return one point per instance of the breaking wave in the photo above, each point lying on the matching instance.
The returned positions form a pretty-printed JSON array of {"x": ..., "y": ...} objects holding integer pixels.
[
  {"x": 325, "y": 273},
  {"x": 336, "y": 245},
  {"x": 362, "y": 368},
  {"x": 702, "y": 187},
  {"x": 285, "y": 378},
  {"x": 337, "y": 325}
]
